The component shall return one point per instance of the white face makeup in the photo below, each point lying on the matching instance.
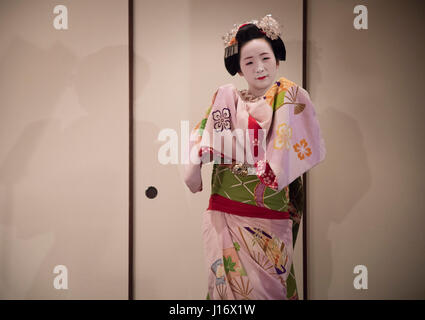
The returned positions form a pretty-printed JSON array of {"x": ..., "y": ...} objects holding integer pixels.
[{"x": 258, "y": 66}]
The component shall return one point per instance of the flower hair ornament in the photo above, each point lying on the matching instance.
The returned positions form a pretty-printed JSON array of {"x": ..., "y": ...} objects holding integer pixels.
[{"x": 269, "y": 26}]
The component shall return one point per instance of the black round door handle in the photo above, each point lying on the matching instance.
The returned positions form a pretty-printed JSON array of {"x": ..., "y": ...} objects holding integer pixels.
[{"x": 151, "y": 192}]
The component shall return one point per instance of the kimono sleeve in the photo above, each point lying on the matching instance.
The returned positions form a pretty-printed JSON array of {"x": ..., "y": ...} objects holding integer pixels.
[
  {"x": 296, "y": 144},
  {"x": 192, "y": 170}
]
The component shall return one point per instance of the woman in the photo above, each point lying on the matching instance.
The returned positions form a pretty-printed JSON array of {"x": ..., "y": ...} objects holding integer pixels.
[{"x": 262, "y": 140}]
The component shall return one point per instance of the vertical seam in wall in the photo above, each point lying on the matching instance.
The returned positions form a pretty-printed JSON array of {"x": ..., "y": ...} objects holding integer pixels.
[
  {"x": 304, "y": 219},
  {"x": 131, "y": 153}
]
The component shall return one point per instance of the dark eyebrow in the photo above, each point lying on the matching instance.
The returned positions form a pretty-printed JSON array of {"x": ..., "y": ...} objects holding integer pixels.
[{"x": 260, "y": 55}]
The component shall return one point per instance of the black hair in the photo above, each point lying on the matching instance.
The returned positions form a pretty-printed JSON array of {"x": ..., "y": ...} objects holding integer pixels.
[{"x": 247, "y": 33}]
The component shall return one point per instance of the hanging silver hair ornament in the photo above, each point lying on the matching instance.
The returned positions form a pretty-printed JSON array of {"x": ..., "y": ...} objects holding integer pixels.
[{"x": 231, "y": 50}]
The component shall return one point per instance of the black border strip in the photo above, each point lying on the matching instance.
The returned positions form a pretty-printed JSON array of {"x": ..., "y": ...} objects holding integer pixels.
[
  {"x": 131, "y": 154},
  {"x": 304, "y": 219}
]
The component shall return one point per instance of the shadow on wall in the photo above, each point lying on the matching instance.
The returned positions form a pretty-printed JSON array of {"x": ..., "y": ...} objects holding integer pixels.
[
  {"x": 27, "y": 101},
  {"x": 55, "y": 116},
  {"x": 342, "y": 191}
]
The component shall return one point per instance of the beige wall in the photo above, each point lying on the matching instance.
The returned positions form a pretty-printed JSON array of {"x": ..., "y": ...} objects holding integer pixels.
[
  {"x": 63, "y": 149},
  {"x": 365, "y": 201}
]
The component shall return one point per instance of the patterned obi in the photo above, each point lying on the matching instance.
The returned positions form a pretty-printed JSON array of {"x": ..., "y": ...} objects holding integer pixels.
[{"x": 236, "y": 190}]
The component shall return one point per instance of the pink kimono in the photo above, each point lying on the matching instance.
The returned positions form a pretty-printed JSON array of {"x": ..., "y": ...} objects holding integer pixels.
[{"x": 260, "y": 148}]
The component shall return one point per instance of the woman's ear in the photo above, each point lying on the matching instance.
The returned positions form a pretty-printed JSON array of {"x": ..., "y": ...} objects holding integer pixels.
[
  {"x": 277, "y": 63},
  {"x": 240, "y": 73}
]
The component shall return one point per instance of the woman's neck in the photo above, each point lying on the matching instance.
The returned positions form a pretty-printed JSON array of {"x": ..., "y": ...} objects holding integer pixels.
[{"x": 257, "y": 93}]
